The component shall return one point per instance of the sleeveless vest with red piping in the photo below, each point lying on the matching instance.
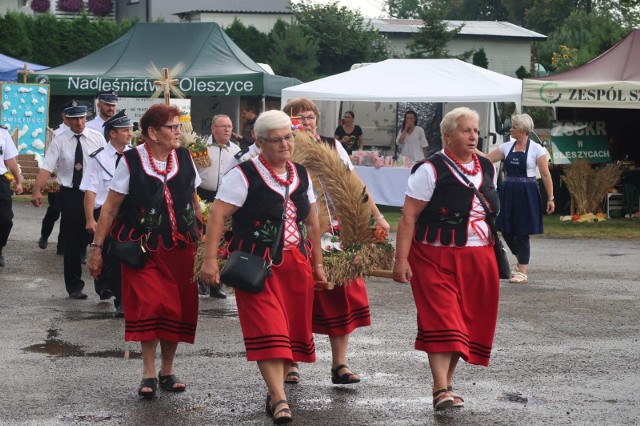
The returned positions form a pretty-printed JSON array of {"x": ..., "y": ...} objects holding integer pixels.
[
  {"x": 446, "y": 217},
  {"x": 254, "y": 225},
  {"x": 145, "y": 207}
]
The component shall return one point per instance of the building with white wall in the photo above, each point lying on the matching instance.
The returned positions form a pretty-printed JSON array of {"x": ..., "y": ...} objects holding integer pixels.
[{"x": 507, "y": 46}]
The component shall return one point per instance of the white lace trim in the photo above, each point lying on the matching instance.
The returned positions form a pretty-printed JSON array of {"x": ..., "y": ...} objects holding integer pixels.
[{"x": 160, "y": 165}]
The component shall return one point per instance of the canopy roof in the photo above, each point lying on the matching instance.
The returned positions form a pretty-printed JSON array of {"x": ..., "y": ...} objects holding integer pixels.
[
  {"x": 611, "y": 80},
  {"x": 9, "y": 67},
  {"x": 412, "y": 80},
  {"x": 213, "y": 65}
]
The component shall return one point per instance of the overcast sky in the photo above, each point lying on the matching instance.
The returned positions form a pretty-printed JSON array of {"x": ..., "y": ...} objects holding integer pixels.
[{"x": 368, "y": 8}]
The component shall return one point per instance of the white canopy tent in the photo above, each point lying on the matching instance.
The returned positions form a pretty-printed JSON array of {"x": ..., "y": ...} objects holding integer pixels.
[
  {"x": 412, "y": 80},
  {"x": 408, "y": 80}
]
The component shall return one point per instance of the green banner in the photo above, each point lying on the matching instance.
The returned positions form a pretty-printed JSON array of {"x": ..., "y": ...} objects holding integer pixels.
[
  {"x": 571, "y": 141},
  {"x": 239, "y": 85}
]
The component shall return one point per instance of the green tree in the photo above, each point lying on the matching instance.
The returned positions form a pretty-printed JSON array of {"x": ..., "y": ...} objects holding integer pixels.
[
  {"x": 252, "y": 42},
  {"x": 589, "y": 33},
  {"x": 14, "y": 37},
  {"x": 342, "y": 36},
  {"x": 480, "y": 59},
  {"x": 475, "y": 10},
  {"x": 402, "y": 9},
  {"x": 293, "y": 53},
  {"x": 433, "y": 36}
]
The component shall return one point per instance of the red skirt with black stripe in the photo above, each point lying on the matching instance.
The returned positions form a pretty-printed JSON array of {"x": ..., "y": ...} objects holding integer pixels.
[
  {"x": 276, "y": 323},
  {"x": 160, "y": 301},
  {"x": 456, "y": 291},
  {"x": 339, "y": 311}
]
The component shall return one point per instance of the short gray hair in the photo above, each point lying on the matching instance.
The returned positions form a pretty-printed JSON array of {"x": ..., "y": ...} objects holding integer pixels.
[
  {"x": 450, "y": 120},
  {"x": 522, "y": 122},
  {"x": 271, "y": 120}
]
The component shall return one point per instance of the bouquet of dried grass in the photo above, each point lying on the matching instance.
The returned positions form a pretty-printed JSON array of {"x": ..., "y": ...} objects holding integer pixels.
[
  {"x": 588, "y": 187},
  {"x": 343, "y": 196}
]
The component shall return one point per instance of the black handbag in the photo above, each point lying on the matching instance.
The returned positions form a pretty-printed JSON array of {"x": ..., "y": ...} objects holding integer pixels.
[
  {"x": 131, "y": 253},
  {"x": 248, "y": 272},
  {"x": 504, "y": 269}
]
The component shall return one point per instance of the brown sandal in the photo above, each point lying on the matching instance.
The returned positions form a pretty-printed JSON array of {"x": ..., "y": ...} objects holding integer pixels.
[
  {"x": 442, "y": 399},
  {"x": 293, "y": 377},
  {"x": 458, "y": 401},
  {"x": 346, "y": 378}
]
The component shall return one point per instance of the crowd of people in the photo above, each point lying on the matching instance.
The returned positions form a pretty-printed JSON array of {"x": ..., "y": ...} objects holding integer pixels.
[{"x": 137, "y": 209}]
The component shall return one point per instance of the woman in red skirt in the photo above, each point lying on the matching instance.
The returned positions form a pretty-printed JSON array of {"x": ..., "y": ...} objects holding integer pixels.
[
  {"x": 444, "y": 247},
  {"x": 336, "y": 313},
  {"x": 276, "y": 323},
  {"x": 152, "y": 201}
]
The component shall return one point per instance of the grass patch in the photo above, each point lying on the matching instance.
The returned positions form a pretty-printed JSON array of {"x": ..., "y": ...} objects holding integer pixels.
[
  {"x": 612, "y": 229},
  {"x": 618, "y": 229}
]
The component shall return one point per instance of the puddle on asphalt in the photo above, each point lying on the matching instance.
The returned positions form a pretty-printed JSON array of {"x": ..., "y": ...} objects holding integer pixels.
[
  {"x": 219, "y": 313},
  {"x": 614, "y": 254},
  {"x": 59, "y": 348},
  {"x": 517, "y": 397}
]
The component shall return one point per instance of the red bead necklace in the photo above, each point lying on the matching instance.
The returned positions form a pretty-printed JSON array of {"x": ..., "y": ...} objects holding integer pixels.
[
  {"x": 463, "y": 169},
  {"x": 275, "y": 175},
  {"x": 155, "y": 168}
]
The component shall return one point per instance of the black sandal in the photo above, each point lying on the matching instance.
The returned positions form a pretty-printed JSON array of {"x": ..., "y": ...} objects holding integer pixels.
[
  {"x": 151, "y": 383},
  {"x": 345, "y": 379},
  {"x": 168, "y": 382},
  {"x": 271, "y": 410},
  {"x": 293, "y": 374}
]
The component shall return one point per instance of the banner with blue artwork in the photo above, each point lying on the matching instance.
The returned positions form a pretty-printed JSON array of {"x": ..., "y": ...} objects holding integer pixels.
[{"x": 26, "y": 107}]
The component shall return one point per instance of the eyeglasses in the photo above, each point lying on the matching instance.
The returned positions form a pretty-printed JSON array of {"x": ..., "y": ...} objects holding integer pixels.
[
  {"x": 307, "y": 117},
  {"x": 285, "y": 138},
  {"x": 223, "y": 126},
  {"x": 173, "y": 127}
]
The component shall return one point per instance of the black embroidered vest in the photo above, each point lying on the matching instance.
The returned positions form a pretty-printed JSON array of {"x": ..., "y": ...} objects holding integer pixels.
[
  {"x": 144, "y": 210},
  {"x": 255, "y": 224},
  {"x": 446, "y": 217}
]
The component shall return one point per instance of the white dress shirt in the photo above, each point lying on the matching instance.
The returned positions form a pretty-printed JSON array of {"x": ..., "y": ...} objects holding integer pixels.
[
  {"x": 8, "y": 150},
  {"x": 220, "y": 155},
  {"x": 62, "y": 153},
  {"x": 99, "y": 172},
  {"x": 96, "y": 124},
  {"x": 60, "y": 129}
]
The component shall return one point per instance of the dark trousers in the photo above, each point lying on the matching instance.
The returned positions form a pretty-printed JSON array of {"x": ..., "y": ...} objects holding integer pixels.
[
  {"x": 6, "y": 211},
  {"x": 520, "y": 246},
  {"x": 50, "y": 218},
  {"x": 76, "y": 236},
  {"x": 110, "y": 278}
]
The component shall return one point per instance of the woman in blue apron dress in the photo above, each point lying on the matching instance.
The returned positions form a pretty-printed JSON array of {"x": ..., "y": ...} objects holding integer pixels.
[{"x": 520, "y": 205}]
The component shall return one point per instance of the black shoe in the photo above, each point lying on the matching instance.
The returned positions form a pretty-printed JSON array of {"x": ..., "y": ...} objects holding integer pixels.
[
  {"x": 42, "y": 243},
  {"x": 203, "y": 288},
  {"x": 83, "y": 258},
  {"x": 1, "y": 261},
  {"x": 217, "y": 292},
  {"x": 119, "y": 313},
  {"x": 106, "y": 295},
  {"x": 77, "y": 295}
]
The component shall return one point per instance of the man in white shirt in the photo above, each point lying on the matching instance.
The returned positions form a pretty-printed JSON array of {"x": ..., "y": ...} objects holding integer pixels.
[
  {"x": 8, "y": 162},
  {"x": 118, "y": 130},
  {"x": 107, "y": 102},
  {"x": 68, "y": 153},
  {"x": 221, "y": 150}
]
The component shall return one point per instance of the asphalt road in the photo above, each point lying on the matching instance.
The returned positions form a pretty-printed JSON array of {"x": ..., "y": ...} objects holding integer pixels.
[{"x": 567, "y": 352}]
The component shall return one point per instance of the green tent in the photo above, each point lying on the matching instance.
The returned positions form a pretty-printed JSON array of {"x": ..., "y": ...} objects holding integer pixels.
[{"x": 213, "y": 65}]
